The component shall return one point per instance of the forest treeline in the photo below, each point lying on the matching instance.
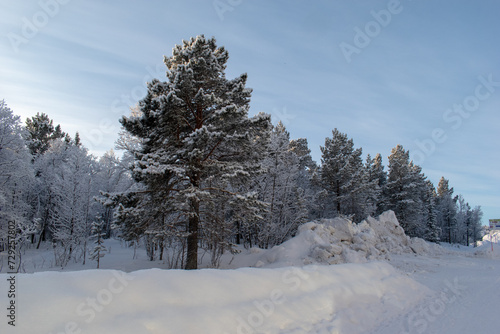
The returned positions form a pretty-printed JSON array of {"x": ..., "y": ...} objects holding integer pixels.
[{"x": 198, "y": 174}]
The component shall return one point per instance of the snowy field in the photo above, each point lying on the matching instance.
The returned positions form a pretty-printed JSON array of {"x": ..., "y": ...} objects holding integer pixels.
[{"x": 333, "y": 277}]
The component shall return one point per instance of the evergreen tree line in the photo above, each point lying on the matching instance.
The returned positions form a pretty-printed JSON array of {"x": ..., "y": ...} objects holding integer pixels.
[{"x": 199, "y": 176}]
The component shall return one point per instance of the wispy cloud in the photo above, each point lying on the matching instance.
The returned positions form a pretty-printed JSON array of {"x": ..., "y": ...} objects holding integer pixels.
[{"x": 93, "y": 54}]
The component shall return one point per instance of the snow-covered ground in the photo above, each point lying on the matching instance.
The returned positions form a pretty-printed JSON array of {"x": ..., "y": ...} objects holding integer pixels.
[
  {"x": 396, "y": 285},
  {"x": 465, "y": 297}
]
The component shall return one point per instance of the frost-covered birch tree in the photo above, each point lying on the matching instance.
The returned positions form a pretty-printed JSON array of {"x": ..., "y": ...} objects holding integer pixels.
[
  {"x": 66, "y": 172},
  {"x": 16, "y": 178},
  {"x": 283, "y": 186}
]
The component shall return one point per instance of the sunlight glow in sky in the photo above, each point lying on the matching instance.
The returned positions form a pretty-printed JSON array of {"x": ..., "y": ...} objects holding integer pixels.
[{"x": 421, "y": 73}]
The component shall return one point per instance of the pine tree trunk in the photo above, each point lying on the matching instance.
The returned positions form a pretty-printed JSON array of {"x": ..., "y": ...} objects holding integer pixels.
[
  {"x": 107, "y": 219},
  {"x": 161, "y": 250},
  {"x": 192, "y": 239},
  {"x": 85, "y": 252},
  {"x": 449, "y": 230},
  {"x": 467, "y": 235},
  {"x": 238, "y": 233},
  {"x": 337, "y": 195},
  {"x": 98, "y": 255}
]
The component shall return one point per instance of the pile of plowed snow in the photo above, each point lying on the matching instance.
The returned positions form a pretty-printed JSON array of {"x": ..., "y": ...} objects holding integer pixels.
[
  {"x": 490, "y": 246},
  {"x": 334, "y": 241},
  {"x": 493, "y": 236}
]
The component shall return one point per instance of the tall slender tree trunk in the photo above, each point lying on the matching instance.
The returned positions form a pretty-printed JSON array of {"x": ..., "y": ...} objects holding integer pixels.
[
  {"x": 192, "y": 239},
  {"x": 238, "y": 233},
  {"x": 467, "y": 242},
  {"x": 193, "y": 223},
  {"x": 337, "y": 195},
  {"x": 449, "y": 230},
  {"x": 43, "y": 230},
  {"x": 41, "y": 237}
]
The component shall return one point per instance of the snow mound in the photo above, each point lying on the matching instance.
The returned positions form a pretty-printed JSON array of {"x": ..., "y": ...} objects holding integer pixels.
[
  {"x": 489, "y": 247},
  {"x": 493, "y": 236},
  {"x": 338, "y": 240},
  {"x": 349, "y": 298}
]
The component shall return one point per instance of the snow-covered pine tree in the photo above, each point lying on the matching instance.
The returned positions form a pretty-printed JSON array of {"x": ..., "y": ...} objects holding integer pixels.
[
  {"x": 406, "y": 188},
  {"x": 376, "y": 172},
  {"x": 397, "y": 181},
  {"x": 343, "y": 177},
  {"x": 307, "y": 169},
  {"x": 198, "y": 141},
  {"x": 476, "y": 227},
  {"x": 374, "y": 180},
  {"x": 463, "y": 221},
  {"x": 41, "y": 132},
  {"x": 419, "y": 194},
  {"x": 133, "y": 207},
  {"x": 447, "y": 211},
  {"x": 432, "y": 231}
]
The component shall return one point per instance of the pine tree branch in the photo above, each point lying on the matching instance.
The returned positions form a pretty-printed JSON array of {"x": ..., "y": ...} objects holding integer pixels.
[
  {"x": 221, "y": 190},
  {"x": 212, "y": 151},
  {"x": 189, "y": 124}
]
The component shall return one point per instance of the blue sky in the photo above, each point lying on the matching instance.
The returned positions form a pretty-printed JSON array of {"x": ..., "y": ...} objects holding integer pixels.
[{"x": 424, "y": 74}]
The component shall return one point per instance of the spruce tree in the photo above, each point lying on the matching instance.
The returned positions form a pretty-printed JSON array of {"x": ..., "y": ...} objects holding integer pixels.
[
  {"x": 198, "y": 142},
  {"x": 98, "y": 234}
]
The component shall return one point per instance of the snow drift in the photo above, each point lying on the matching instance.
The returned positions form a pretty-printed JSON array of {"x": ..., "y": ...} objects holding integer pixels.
[
  {"x": 289, "y": 294},
  {"x": 489, "y": 247},
  {"x": 334, "y": 241},
  {"x": 349, "y": 298}
]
